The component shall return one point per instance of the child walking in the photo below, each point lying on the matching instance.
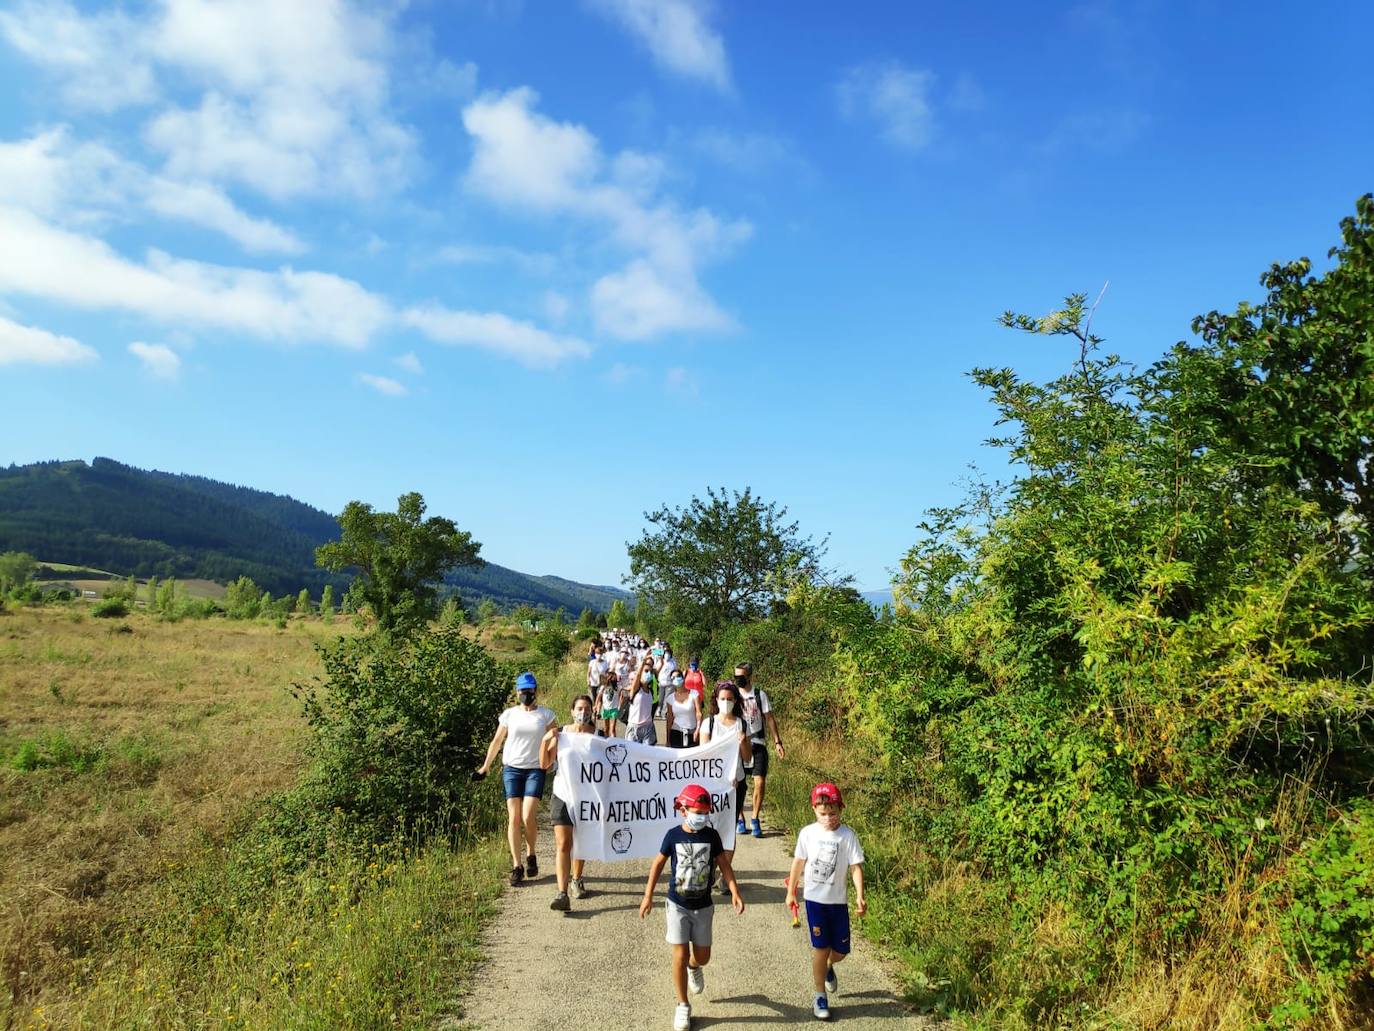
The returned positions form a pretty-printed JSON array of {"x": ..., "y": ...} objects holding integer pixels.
[
  {"x": 825, "y": 850},
  {"x": 695, "y": 851}
]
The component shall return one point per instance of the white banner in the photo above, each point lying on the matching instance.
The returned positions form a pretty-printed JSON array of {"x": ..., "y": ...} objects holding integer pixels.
[{"x": 620, "y": 793}]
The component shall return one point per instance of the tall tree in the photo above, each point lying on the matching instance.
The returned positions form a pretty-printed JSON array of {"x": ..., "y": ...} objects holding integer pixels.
[
  {"x": 722, "y": 558},
  {"x": 400, "y": 556},
  {"x": 15, "y": 569}
]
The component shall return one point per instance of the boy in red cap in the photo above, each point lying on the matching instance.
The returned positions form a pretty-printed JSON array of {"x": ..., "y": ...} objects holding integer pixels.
[
  {"x": 695, "y": 849},
  {"x": 825, "y": 850}
]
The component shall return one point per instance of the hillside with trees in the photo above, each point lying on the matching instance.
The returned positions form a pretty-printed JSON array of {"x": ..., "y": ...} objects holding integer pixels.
[{"x": 110, "y": 516}]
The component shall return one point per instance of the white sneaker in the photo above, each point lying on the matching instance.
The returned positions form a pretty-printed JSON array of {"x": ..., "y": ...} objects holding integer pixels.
[
  {"x": 682, "y": 1017},
  {"x": 579, "y": 890},
  {"x": 821, "y": 1007},
  {"x": 696, "y": 980}
]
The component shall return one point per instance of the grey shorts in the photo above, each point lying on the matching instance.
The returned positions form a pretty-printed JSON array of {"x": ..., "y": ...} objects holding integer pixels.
[
  {"x": 688, "y": 925},
  {"x": 644, "y": 733}
]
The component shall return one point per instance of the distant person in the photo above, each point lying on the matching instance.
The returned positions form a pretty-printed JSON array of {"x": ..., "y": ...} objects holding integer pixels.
[
  {"x": 758, "y": 714},
  {"x": 639, "y": 722},
  {"x": 596, "y": 666},
  {"x": 825, "y": 850},
  {"x": 696, "y": 682},
  {"x": 519, "y": 732},
  {"x": 583, "y": 722},
  {"x": 610, "y": 700},
  {"x": 681, "y": 714},
  {"x": 726, "y": 722},
  {"x": 695, "y": 851}
]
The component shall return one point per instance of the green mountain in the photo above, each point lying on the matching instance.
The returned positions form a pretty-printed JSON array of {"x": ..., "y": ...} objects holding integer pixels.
[{"x": 108, "y": 515}]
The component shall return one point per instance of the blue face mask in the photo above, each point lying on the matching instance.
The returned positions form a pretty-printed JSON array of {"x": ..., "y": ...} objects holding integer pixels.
[{"x": 696, "y": 821}]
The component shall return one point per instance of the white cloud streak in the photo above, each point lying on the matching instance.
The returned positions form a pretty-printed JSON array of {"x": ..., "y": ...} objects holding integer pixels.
[
  {"x": 528, "y": 162},
  {"x": 894, "y": 97},
  {"x": 492, "y": 331},
  {"x": 678, "y": 35},
  {"x": 383, "y": 384},
  {"x": 410, "y": 363},
  {"x": 29, "y": 345},
  {"x": 159, "y": 360}
]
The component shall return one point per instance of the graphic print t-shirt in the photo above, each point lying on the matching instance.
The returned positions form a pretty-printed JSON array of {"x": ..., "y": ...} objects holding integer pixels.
[
  {"x": 828, "y": 855},
  {"x": 756, "y": 707},
  {"x": 693, "y": 859}
]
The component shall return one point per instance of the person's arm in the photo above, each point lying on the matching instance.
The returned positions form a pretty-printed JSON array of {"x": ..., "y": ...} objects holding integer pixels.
[
  {"x": 772, "y": 724},
  {"x": 704, "y": 735},
  {"x": 727, "y": 871},
  {"x": 667, "y": 719},
  {"x": 860, "y": 903},
  {"x": 497, "y": 740},
  {"x": 794, "y": 880},
  {"x": 548, "y": 749},
  {"x": 647, "y": 903},
  {"x": 746, "y": 748}
]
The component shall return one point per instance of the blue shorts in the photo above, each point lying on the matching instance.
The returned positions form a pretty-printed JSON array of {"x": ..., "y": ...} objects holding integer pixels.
[
  {"x": 522, "y": 783},
  {"x": 829, "y": 925}
]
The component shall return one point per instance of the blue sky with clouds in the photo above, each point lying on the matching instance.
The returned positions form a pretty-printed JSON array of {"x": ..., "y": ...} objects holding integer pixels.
[{"x": 555, "y": 263}]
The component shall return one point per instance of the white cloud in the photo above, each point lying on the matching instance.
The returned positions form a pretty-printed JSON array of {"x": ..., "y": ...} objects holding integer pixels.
[
  {"x": 42, "y": 260},
  {"x": 159, "y": 360},
  {"x": 410, "y": 363},
  {"x": 383, "y": 384},
  {"x": 677, "y": 34},
  {"x": 30, "y": 345},
  {"x": 893, "y": 96},
  {"x": 98, "y": 58},
  {"x": 52, "y": 175},
  {"x": 534, "y": 263},
  {"x": 491, "y": 331},
  {"x": 526, "y": 161}
]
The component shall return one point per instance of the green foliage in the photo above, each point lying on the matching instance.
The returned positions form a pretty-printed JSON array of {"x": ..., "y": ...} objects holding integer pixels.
[
  {"x": 242, "y": 599},
  {"x": 401, "y": 558},
  {"x": 723, "y": 559},
  {"x": 110, "y": 608},
  {"x": 620, "y": 615},
  {"x": 167, "y": 603},
  {"x": 553, "y": 642},
  {"x": 16, "y": 567},
  {"x": 327, "y": 602},
  {"x": 486, "y": 610},
  {"x": 303, "y": 605},
  {"x": 398, "y": 726}
]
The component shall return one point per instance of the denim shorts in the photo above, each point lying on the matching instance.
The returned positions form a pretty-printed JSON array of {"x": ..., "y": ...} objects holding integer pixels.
[{"x": 522, "y": 783}]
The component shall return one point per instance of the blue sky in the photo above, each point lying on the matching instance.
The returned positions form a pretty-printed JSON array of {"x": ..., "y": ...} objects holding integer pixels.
[{"x": 552, "y": 264}]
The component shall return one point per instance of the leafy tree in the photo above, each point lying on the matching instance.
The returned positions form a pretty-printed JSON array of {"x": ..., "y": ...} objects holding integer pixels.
[
  {"x": 401, "y": 558},
  {"x": 586, "y": 618},
  {"x": 553, "y": 642},
  {"x": 242, "y": 599},
  {"x": 486, "y": 610},
  {"x": 720, "y": 559},
  {"x": 303, "y": 601},
  {"x": 166, "y": 603},
  {"x": 620, "y": 616},
  {"x": 327, "y": 602},
  {"x": 151, "y": 591}
]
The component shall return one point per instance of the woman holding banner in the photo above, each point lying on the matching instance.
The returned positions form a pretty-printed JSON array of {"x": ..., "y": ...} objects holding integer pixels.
[
  {"x": 726, "y": 722},
  {"x": 584, "y": 722}
]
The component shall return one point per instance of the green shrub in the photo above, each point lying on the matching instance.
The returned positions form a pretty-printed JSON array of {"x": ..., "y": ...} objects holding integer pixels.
[
  {"x": 110, "y": 608},
  {"x": 553, "y": 642},
  {"x": 397, "y": 729}
]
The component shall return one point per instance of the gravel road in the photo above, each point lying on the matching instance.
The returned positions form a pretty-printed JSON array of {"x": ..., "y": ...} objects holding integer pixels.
[{"x": 600, "y": 966}]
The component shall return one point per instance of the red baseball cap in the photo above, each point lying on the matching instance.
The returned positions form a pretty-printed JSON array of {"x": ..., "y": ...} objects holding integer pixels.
[
  {"x": 692, "y": 795},
  {"x": 826, "y": 792}
]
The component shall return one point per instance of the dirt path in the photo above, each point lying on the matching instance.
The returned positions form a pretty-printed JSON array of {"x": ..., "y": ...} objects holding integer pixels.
[{"x": 600, "y": 966}]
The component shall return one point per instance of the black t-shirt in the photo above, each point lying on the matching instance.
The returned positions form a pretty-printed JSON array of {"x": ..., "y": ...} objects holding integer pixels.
[{"x": 693, "y": 857}]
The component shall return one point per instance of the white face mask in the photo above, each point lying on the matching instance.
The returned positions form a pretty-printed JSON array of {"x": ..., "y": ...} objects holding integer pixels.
[
  {"x": 646, "y": 678},
  {"x": 726, "y": 707},
  {"x": 581, "y": 716},
  {"x": 696, "y": 821}
]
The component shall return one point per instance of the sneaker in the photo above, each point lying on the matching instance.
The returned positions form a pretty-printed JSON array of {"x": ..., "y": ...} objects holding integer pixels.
[
  {"x": 682, "y": 1017},
  {"x": 560, "y": 902},
  {"x": 724, "y": 888},
  {"x": 696, "y": 980},
  {"x": 517, "y": 874},
  {"x": 740, "y": 828},
  {"x": 579, "y": 890},
  {"x": 531, "y": 866},
  {"x": 821, "y": 1008},
  {"x": 832, "y": 983},
  {"x": 758, "y": 831}
]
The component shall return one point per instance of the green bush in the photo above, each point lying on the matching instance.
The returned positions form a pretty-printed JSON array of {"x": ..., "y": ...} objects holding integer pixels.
[
  {"x": 397, "y": 729},
  {"x": 553, "y": 642},
  {"x": 110, "y": 608}
]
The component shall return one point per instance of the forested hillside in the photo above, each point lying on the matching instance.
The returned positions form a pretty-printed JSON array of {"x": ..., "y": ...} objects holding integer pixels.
[{"x": 115, "y": 517}]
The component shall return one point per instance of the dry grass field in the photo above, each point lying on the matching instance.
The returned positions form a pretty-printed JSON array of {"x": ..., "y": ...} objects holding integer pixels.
[{"x": 126, "y": 748}]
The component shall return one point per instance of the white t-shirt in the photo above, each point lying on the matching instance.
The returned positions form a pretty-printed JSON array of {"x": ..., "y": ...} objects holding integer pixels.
[
  {"x": 525, "y": 728},
  {"x": 642, "y": 707},
  {"x": 719, "y": 731},
  {"x": 755, "y": 708},
  {"x": 828, "y": 855},
  {"x": 684, "y": 713}
]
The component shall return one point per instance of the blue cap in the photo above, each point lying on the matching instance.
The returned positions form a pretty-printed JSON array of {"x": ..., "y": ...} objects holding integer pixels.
[{"x": 526, "y": 682}]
